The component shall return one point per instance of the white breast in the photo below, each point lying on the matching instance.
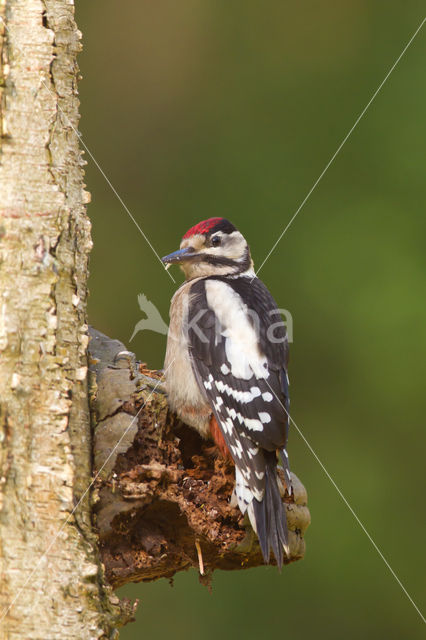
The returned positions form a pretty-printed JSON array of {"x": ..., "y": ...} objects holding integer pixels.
[{"x": 184, "y": 394}]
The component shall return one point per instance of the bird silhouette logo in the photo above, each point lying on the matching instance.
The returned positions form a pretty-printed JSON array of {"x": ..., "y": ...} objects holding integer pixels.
[{"x": 153, "y": 320}]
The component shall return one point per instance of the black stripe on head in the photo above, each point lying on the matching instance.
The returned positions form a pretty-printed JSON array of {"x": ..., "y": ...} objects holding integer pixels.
[
  {"x": 239, "y": 265},
  {"x": 223, "y": 225}
]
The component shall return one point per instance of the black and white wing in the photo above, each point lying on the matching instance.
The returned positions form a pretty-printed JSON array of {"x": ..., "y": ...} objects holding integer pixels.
[{"x": 238, "y": 350}]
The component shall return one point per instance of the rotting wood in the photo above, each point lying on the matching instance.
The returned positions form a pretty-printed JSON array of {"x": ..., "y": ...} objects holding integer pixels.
[{"x": 163, "y": 491}]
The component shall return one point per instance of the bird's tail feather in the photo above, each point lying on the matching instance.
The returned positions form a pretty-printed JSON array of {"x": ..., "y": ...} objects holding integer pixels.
[
  {"x": 286, "y": 468},
  {"x": 270, "y": 516}
]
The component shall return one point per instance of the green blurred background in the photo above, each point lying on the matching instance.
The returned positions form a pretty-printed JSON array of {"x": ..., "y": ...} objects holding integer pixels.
[{"x": 199, "y": 108}]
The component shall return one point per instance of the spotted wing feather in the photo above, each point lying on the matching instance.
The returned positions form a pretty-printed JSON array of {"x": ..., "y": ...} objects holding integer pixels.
[
  {"x": 260, "y": 401},
  {"x": 249, "y": 408}
]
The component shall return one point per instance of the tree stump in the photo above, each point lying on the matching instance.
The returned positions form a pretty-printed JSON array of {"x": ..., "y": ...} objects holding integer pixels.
[{"x": 162, "y": 492}]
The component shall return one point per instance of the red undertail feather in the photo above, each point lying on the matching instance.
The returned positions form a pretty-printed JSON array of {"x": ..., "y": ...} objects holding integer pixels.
[{"x": 217, "y": 436}]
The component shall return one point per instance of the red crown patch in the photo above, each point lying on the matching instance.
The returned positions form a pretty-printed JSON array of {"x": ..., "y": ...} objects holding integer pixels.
[{"x": 202, "y": 227}]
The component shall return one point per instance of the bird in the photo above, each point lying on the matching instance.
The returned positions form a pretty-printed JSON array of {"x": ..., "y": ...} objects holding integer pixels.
[{"x": 226, "y": 371}]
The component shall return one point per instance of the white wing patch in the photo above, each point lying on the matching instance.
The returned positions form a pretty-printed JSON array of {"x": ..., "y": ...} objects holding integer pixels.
[
  {"x": 264, "y": 417},
  {"x": 240, "y": 396},
  {"x": 237, "y": 450},
  {"x": 253, "y": 424},
  {"x": 228, "y": 426},
  {"x": 241, "y": 341},
  {"x": 208, "y": 383}
]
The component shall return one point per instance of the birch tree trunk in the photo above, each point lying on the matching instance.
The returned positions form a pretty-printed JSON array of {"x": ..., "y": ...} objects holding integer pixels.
[{"x": 51, "y": 583}]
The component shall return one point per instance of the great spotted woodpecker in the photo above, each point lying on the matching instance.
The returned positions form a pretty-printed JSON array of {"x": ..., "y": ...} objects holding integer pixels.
[{"x": 226, "y": 370}]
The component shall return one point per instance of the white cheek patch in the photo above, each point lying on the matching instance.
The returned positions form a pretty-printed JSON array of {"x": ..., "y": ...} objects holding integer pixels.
[{"x": 233, "y": 245}]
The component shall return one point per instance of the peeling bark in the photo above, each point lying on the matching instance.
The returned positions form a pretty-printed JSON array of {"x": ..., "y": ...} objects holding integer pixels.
[
  {"x": 163, "y": 491},
  {"x": 51, "y": 581}
]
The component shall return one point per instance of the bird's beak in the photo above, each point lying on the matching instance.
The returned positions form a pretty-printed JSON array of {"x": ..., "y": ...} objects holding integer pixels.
[{"x": 179, "y": 256}]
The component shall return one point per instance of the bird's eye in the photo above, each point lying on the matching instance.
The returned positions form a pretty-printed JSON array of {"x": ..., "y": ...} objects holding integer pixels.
[{"x": 215, "y": 241}]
